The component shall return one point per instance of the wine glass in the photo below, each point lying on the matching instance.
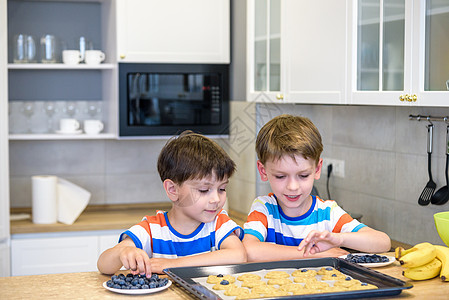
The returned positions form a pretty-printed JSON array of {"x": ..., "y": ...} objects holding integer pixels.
[
  {"x": 70, "y": 109},
  {"x": 28, "y": 111},
  {"x": 92, "y": 109},
  {"x": 50, "y": 109}
]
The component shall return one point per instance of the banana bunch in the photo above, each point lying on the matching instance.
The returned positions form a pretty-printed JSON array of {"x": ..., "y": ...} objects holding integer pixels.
[{"x": 424, "y": 261}]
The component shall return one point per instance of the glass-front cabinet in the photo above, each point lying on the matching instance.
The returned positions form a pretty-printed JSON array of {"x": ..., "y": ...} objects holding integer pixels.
[
  {"x": 400, "y": 52},
  {"x": 297, "y": 51}
]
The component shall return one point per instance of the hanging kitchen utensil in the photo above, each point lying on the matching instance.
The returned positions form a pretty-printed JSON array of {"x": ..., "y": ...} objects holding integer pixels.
[
  {"x": 426, "y": 194},
  {"x": 442, "y": 195}
]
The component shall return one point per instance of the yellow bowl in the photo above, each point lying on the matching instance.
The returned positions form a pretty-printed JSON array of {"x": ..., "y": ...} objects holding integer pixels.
[{"x": 442, "y": 225}]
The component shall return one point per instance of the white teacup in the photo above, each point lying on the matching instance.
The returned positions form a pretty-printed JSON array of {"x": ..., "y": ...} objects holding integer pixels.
[
  {"x": 71, "y": 57},
  {"x": 68, "y": 125},
  {"x": 94, "y": 57},
  {"x": 93, "y": 126}
]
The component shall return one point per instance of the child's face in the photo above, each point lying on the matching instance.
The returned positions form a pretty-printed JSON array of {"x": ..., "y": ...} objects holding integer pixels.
[
  {"x": 291, "y": 180},
  {"x": 202, "y": 199}
]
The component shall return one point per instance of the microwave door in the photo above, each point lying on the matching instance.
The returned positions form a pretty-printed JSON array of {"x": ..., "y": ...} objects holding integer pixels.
[{"x": 135, "y": 95}]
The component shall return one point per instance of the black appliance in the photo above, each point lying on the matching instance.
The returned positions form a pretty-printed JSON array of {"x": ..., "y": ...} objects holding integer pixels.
[{"x": 166, "y": 99}]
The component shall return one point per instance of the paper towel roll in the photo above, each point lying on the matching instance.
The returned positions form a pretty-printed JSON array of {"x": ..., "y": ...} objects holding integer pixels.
[{"x": 44, "y": 199}]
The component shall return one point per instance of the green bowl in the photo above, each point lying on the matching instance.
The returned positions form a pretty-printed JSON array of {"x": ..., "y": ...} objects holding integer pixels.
[{"x": 442, "y": 225}]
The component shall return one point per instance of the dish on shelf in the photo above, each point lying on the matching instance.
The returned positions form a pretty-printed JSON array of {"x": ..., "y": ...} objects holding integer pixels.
[{"x": 79, "y": 131}]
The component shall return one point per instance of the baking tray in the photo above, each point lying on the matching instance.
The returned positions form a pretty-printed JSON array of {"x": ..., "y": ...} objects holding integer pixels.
[{"x": 387, "y": 285}]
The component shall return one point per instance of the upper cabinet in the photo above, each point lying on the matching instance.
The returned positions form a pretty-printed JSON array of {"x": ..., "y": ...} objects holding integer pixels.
[
  {"x": 399, "y": 52},
  {"x": 173, "y": 31},
  {"x": 297, "y": 51}
]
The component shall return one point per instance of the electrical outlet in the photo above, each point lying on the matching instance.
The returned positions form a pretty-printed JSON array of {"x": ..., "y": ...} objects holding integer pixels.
[{"x": 338, "y": 167}]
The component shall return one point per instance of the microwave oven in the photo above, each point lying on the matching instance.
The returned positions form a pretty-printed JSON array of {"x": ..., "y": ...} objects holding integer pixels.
[{"x": 166, "y": 99}]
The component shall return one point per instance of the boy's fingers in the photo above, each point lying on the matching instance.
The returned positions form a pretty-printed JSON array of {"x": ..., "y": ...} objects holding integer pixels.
[
  {"x": 140, "y": 264},
  {"x": 147, "y": 266}
]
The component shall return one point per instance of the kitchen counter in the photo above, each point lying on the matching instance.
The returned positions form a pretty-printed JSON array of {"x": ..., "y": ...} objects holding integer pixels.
[
  {"x": 89, "y": 286},
  {"x": 100, "y": 217}
]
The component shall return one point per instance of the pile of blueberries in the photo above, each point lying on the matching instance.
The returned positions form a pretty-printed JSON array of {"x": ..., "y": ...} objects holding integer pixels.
[
  {"x": 134, "y": 282},
  {"x": 366, "y": 258}
]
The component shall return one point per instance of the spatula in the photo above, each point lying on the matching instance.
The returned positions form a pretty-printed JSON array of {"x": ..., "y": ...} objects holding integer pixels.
[
  {"x": 442, "y": 195},
  {"x": 426, "y": 194}
]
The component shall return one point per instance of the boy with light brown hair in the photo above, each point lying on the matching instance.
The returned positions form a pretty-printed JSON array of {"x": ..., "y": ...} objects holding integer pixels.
[
  {"x": 290, "y": 223},
  {"x": 196, "y": 231}
]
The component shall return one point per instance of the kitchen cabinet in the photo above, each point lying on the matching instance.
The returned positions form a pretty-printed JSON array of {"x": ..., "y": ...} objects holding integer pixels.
[
  {"x": 399, "y": 52},
  {"x": 297, "y": 51},
  {"x": 173, "y": 31},
  {"x": 48, "y": 253},
  {"x": 74, "y": 85}
]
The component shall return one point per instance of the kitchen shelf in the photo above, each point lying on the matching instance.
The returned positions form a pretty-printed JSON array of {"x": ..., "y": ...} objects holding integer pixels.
[
  {"x": 50, "y": 136},
  {"x": 61, "y": 67}
]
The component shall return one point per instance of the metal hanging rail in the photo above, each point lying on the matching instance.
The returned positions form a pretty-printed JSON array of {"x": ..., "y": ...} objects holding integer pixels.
[{"x": 429, "y": 118}]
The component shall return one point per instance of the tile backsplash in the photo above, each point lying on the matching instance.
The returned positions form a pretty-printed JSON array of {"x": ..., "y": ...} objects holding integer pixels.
[{"x": 384, "y": 153}]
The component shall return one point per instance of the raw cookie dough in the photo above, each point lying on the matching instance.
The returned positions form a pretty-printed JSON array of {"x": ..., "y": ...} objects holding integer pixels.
[
  {"x": 304, "y": 279},
  {"x": 291, "y": 287},
  {"x": 219, "y": 286},
  {"x": 346, "y": 283},
  {"x": 263, "y": 289},
  {"x": 236, "y": 291},
  {"x": 362, "y": 286},
  {"x": 279, "y": 281},
  {"x": 218, "y": 278},
  {"x": 304, "y": 273},
  {"x": 277, "y": 274},
  {"x": 248, "y": 276},
  {"x": 333, "y": 276},
  {"x": 318, "y": 285},
  {"x": 327, "y": 270},
  {"x": 253, "y": 283}
]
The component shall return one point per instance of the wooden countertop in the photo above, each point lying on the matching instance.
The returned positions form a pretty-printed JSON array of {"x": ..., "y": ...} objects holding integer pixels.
[
  {"x": 100, "y": 217},
  {"x": 89, "y": 286}
]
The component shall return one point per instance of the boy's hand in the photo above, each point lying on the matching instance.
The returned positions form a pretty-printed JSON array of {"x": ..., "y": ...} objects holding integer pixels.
[
  {"x": 319, "y": 241},
  {"x": 136, "y": 260}
]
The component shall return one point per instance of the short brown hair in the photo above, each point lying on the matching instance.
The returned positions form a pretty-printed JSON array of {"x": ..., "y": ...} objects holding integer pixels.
[
  {"x": 288, "y": 135},
  {"x": 193, "y": 156}
]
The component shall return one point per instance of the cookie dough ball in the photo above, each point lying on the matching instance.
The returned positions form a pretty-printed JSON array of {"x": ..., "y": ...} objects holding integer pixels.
[
  {"x": 304, "y": 279},
  {"x": 220, "y": 286},
  {"x": 304, "y": 273},
  {"x": 263, "y": 289},
  {"x": 327, "y": 270},
  {"x": 317, "y": 285},
  {"x": 291, "y": 287},
  {"x": 279, "y": 281},
  {"x": 218, "y": 278},
  {"x": 347, "y": 282},
  {"x": 277, "y": 274},
  {"x": 252, "y": 283},
  {"x": 333, "y": 276},
  {"x": 236, "y": 291},
  {"x": 248, "y": 276}
]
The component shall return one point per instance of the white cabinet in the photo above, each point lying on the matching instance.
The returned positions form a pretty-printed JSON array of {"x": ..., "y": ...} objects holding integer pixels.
[
  {"x": 33, "y": 254},
  {"x": 71, "y": 90},
  {"x": 297, "y": 51},
  {"x": 399, "y": 52},
  {"x": 173, "y": 31}
]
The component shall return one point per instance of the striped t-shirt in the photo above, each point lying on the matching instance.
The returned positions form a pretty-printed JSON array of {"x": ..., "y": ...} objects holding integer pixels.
[
  {"x": 268, "y": 223},
  {"x": 158, "y": 238}
]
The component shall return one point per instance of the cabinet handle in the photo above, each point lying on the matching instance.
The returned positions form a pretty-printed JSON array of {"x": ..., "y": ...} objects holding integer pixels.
[
  {"x": 401, "y": 98},
  {"x": 122, "y": 56},
  {"x": 414, "y": 97},
  {"x": 280, "y": 96}
]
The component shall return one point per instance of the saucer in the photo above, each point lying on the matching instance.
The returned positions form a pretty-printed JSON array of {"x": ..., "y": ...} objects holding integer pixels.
[{"x": 69, "y": 132}]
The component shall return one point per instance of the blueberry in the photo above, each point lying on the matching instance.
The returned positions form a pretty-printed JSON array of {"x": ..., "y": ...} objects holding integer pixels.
[
  {"x": 334, "y": 275},
  {"x": 145, "y": 286},
  {"x": 116, "y": 286},
  {"x": 163, "y": 281},
  {"x": 152, "y": 284},
  {"x": 154, "y": 276},
  {"x": 121, "y": 282},
  {"x": 224, "y": 282},
  {"x": 129, "y": 275},
  {"x": 348, "y": 278},
  {"x": 329, "y": 269},
  {"x": 128, "y": 279},
  {"x": 116, "y": 280},
  {"x": 121, "y": 276},
  {"x": 220, "y": 275},
  {"x": 364, "y": 283},
  {"x": 114, "y": 277},
  {"x": 141, "y": 281},
  {"x": 135, "y": 281},
  {"x": 134, "y": 288},
  {"x": 109, "y": 283},
  {"x": 304, "y": 270}
]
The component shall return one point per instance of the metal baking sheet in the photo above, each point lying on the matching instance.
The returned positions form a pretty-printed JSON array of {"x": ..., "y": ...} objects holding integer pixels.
[{"x": 387, "y": 285}]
